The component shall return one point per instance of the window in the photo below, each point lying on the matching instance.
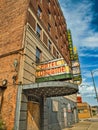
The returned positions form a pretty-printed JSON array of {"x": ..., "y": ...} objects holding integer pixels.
[
  {"x": 55, "y": 105},
  {"x": 49, "y": 45},
  {"x": 55, "y": 15},
  {"x": 57, "y": 54},
  {"x": 62, "y": 48},
  {"x": 48, "y": 1},
  {"x": 38, "y": 30},
  {"x": 49, "y": 27},
  {"x": 40, "y": 1},
  {"x": 39, "y": 12},
  {"x": 54, "y": 51},
  {"x": 56, "y": 38},
  {"x": 80, "y": 110},
  {"x": 49, "y": 14},
  {"x": 38, "y": 55},
  {"x": 55, "y": 26}
]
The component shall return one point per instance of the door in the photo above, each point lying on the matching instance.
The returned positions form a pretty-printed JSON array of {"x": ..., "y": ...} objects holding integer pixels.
[
  {"x": 33, "y": 120},
  {"x": 65, "y": 116},
  {"x": 75, "y": 115}
]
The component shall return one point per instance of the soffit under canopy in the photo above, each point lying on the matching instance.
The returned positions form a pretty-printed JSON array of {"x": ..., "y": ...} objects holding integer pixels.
[{"x": 50, "y": 89}]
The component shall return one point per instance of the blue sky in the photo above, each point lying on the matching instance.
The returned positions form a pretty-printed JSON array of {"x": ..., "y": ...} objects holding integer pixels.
[{"x": 82, "y": 20}]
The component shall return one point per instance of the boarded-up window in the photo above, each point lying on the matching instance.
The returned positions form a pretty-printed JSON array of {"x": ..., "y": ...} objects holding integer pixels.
[
  {"x": 55, "y": 105},
  {"x": 31, "y": 20}
]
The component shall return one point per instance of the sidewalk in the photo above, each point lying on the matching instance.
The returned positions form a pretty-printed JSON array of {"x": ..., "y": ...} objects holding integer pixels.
[{"x": 88, "y": 124}]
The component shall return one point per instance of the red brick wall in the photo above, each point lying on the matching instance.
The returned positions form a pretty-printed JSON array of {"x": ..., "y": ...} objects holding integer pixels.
[
  {"x": 12, "y": 20},
  {"x": 56, "y": 18}
]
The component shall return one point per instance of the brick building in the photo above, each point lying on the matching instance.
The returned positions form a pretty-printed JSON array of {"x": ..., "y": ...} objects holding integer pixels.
[{"x": 34, "y": 31}]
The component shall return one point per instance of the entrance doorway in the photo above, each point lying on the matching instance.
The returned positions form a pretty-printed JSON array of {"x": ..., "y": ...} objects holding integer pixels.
[{"x": 33, "y": 119}]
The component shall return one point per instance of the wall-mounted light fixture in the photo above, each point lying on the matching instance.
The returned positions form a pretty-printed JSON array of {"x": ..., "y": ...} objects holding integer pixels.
[
  {"x": 4, "y": 83},
  {"x": 15, "y": 63}
]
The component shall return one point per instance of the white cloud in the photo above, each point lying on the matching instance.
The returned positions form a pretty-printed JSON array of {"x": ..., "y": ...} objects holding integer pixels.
[
  {"x": 88, "y": 93},
  {"x": 91, "y": 41},
  {"x": 87, "y": 74},
  {"x": 87, "y": 90},
  {"x": 88, "y": 55},
  {"x": 78, "y": 17}
]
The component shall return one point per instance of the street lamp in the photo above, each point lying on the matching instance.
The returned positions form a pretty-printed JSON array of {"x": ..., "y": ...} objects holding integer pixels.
[{"x": 92, "y": 72}]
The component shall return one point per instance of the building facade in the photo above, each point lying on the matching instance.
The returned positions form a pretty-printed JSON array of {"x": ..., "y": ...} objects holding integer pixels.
[
  {"x": 34, "y": 32},
  {"x": 84, "y": 110}
]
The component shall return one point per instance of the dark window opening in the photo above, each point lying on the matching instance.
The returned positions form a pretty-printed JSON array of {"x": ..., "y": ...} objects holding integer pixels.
[
  {"x": 38, "y": 55},
  {"x": 49, "y": 27},
  {"x": 39, "y": 12},
  {"x": 49, "y": 45},
  {"x": 49, "y": 14},
  {"x": 38, "y": 30}
]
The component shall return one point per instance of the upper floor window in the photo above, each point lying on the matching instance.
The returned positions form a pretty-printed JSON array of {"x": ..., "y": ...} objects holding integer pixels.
[
  {"x": 39, "y": 12},
  {"x": 38, "y": 30},
  {"x": 49, "y": 14},
  {"x": 48, "y": 1},
  {"x": 38, "y": 55},
  {"x": 55, "y": 26},
  {"x": 56, "y": 38},
  {"x": 40, "y": 1},
  {"x": 62, "y": 48},
  {"x": 49, "y": 45},
  {"x": 55, "y": 15},
  {"x": 49, "y": 27},
  {"x": 57, "y": 54}
]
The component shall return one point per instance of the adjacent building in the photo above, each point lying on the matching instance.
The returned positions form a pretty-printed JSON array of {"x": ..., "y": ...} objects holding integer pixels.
[
  {"x": 36, "y": 74},
  {"x": 84, "y": 109}
]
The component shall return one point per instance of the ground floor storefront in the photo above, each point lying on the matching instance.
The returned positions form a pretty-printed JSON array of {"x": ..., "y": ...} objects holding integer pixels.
[{"x": 39, "y": 111}]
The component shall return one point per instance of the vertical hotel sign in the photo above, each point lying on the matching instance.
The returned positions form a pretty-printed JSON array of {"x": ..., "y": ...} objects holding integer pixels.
[
  {"x": 53, "y": 70},
  {"x": 76, "y": 68},
  {"x": 70, "y": 44}
]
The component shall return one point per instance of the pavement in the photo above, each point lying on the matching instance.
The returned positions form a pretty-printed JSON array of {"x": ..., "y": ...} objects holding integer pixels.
[{"x": 86, "y": 124}]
